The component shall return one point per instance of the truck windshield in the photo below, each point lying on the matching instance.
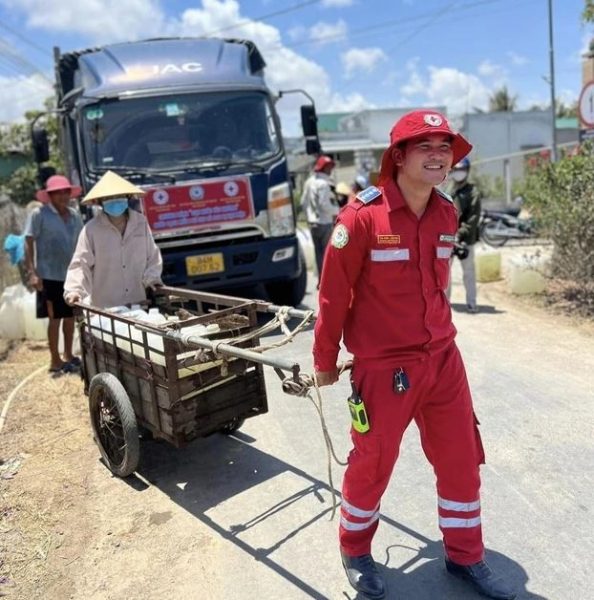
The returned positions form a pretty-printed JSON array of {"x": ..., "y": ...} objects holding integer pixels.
[{"x": 175, "y": 132}]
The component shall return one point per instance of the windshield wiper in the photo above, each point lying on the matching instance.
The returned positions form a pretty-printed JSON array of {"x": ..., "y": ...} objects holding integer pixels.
[
  {"x": 222, "y": 166},
  {"x": 136, "y": 173}
]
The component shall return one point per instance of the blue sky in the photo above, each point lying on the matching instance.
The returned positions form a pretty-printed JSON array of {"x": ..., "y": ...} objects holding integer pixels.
[{"x": 349, "y": 54}]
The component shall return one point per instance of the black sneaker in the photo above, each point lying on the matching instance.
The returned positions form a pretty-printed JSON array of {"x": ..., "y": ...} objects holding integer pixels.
[
  {"x": 362, "y": 573},
  {"x": 483, "y": 579}
]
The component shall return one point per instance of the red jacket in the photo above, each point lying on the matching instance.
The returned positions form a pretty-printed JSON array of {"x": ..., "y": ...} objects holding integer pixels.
[{"x": 384, "y": 289}]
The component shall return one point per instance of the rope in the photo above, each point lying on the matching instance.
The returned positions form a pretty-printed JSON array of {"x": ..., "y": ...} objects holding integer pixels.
[
  {"x": 14, "y": 393},
  {"x": 302, "y": 388}
]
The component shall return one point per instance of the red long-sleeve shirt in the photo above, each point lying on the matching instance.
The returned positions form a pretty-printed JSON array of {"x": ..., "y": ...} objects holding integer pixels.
[{"x": 384, "y": 280}]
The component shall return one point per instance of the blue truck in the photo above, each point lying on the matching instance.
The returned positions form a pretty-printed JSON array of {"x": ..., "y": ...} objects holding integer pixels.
[{"x": 193, "y": 123}]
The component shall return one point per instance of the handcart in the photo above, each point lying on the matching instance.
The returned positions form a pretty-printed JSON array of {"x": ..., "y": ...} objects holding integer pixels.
[{"x": 196, "y": 373}]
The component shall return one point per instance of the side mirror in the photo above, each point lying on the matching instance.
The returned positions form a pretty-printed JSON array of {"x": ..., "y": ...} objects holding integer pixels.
[
  {"x": 40, "y": 145},
  {"x": 313, "y": 146},
  {"x": 309, "y": 121}
]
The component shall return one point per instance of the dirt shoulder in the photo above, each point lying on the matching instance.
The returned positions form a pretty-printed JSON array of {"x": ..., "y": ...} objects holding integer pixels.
[{"x": 45, "y": 450}]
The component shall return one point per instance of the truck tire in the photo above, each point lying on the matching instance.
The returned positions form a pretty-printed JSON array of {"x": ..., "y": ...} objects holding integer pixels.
[
  {"x": 114, "y": 424},
  {"x": 292, "y": 292}
]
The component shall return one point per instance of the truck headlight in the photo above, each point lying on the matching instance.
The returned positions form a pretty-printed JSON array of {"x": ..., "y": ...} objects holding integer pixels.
[{"x": 280, "y": 211}]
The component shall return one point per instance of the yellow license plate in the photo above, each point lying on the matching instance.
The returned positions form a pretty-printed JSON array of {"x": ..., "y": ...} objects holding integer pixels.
[{"x": 205, "y": 264}]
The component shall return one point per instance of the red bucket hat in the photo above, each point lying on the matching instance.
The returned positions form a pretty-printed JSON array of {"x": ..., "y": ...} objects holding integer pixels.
[
  {"x": 419, "y": 123},
  {"x": 57, "y": 183}
]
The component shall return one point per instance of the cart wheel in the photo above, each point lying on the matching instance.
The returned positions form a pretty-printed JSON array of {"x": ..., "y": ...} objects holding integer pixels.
[
  {"x": 114, "y": 424},
  {"x": 232, "y": 426}
]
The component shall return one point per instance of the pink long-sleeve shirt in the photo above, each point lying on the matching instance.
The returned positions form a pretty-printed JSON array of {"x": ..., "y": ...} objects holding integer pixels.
[{"x": 109, "y": 269}]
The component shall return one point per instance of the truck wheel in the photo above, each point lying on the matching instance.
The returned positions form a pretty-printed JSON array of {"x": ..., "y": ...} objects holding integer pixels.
[
  {"x": 114, "y": 424},
  {"x": 232, "y": 426},
  {"x": 292, "y": 292}
]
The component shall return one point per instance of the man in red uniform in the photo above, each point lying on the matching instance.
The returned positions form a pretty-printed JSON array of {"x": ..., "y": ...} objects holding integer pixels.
[{"x": 383, "y": 288}]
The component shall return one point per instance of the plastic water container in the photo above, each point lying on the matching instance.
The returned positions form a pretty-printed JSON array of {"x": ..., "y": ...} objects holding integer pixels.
[
  {"x": 35, "y": 329},
  {"x": 12, "y": 318},
  {"x": 488, "y": 265},
  {"x": 306, "y": 244},
  {"x": 526, "y": 274}
]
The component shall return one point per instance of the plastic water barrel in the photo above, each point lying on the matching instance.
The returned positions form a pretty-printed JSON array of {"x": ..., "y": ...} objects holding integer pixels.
[
  {"x": 488, "y": 265},
  {"x": 525, "y": 275}
]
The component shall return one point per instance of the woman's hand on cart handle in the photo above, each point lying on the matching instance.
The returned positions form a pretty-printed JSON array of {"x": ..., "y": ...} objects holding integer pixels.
[{"x": 72, "y": 298}]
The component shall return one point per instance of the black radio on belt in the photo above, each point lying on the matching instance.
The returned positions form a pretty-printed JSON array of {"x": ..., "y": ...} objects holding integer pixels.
[{"x": 401, "y": 383}]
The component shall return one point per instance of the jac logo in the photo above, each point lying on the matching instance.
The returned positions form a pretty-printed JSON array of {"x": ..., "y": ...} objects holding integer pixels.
[
  {"x": 192, "y": 67},
  {"x": 145, "y": 71}
]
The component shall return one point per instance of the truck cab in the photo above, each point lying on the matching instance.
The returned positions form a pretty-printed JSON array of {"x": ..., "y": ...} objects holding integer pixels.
[{"x": 192, "y": 122}]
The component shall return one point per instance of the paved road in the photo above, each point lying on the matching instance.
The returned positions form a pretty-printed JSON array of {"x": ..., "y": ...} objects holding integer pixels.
[{"x": 247, "y": 517}]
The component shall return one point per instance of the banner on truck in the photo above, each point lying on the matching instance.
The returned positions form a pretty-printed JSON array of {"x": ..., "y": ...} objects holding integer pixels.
[{"x": 198, "y": 205}]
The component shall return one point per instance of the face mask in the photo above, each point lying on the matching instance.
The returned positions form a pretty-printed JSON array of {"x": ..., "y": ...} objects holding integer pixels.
[
  {"x": 116, "y": 207},
  {"x": 459, "y": 176}
]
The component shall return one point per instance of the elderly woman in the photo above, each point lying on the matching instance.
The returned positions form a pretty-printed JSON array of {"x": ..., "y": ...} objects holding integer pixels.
[{"x": 116, "y": 258}]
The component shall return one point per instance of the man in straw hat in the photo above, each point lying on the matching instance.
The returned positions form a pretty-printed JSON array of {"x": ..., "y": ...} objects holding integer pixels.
[
  {"x": 116, "y": 257},
  {"x": 51, "y": 232},
  {"x": 383, "y": 286}
]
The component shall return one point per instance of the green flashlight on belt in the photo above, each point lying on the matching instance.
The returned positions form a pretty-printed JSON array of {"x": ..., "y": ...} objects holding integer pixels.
[{"x": 358, "y": 412}]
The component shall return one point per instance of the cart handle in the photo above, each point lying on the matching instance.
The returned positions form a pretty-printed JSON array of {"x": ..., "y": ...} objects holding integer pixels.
[{"x": 226, "y": 349}]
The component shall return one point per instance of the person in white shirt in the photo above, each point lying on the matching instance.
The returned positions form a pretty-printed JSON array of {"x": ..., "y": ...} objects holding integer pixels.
[
  {"x": 320, "y": 207},
  {"x": 116, "y": 257}
]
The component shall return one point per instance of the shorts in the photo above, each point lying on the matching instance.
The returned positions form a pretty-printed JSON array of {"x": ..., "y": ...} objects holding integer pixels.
[{"x": 53, "y": 291}]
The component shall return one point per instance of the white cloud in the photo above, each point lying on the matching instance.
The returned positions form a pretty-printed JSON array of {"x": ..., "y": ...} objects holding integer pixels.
[
  {"x": 103, "y": 21},
  {"x": 492, "y": 70},
  {"x": 361, "y": 59},
  {"x": 458, "y": 91},
  {"x": 297, "y": 33},
  {"x": 100, "y": 20},
  {"x": 337, "y": 3},
  {"x": 21, "y": 94},
  {"x": 328, "y": 32},
  {"x": 517, "y": 59}
]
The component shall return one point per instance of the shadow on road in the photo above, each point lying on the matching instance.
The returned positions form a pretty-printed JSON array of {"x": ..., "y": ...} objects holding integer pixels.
[
  {"x": 484, "y": 309},
  {"x": 218, "y": 468}
]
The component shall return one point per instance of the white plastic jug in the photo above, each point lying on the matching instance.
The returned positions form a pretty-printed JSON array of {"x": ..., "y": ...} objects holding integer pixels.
[
  {"x": 35, "y": 329},
  {"x": 12, "y": 318},
  {"x": 526, "y": 274}
]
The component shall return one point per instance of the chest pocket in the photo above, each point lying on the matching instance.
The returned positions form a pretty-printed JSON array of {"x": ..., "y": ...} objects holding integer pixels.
[
  {"x": 391, "y": 271},
  {"x": 441, "y": 265}
]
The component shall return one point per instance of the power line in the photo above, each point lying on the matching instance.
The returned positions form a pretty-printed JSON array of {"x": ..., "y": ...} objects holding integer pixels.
[
  {"x": 394, "y": 23},
  {"x": 19, "y": 61},
  {"x": 23, "y": 38},
  {"x": 244, "y": 22}
]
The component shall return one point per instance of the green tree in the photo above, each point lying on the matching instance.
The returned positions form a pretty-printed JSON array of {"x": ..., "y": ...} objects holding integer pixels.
[
  {"x": 561, "y": 198},
  {"x": 502, "y": 101},
  {"x": 20, "y": 187},
  {"x": 588, "y": 12}
]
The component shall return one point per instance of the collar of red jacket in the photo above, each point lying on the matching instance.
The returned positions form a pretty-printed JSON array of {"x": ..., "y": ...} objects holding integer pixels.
[{"x": 394, "y": 196}]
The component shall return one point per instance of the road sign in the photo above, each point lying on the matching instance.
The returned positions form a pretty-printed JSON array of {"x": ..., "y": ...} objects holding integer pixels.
[{"x": 586, "y": 105}]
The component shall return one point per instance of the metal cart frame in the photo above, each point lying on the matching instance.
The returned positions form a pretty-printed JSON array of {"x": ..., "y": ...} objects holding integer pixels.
[{"x": 165, "y": 382}]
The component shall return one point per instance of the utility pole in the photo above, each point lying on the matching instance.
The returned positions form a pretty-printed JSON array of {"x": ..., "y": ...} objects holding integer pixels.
[{"x": 552, "y": 84}]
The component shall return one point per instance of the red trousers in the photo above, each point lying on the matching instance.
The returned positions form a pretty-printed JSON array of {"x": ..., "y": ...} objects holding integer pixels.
[{"x": 439, "y": 401}]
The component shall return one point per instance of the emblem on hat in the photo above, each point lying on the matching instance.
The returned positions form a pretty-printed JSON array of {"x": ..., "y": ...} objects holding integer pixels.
[{"x": 433, "y": 120}]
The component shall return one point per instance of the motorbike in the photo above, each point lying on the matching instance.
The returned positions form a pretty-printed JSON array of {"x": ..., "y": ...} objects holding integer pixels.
[{"x": 496, "y": 227}]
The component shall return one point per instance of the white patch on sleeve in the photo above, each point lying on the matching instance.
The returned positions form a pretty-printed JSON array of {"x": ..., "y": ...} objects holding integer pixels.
[
  {"x": 390, "y": 255},
  {"x": 444, "y": 251}
]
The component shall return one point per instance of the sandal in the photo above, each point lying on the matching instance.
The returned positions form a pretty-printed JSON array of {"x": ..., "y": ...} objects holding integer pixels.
[{"x": 75, "y": 362}]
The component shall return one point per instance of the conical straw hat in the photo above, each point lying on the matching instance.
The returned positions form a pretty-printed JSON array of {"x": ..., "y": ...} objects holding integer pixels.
[{"x": 111, "y": 184}]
